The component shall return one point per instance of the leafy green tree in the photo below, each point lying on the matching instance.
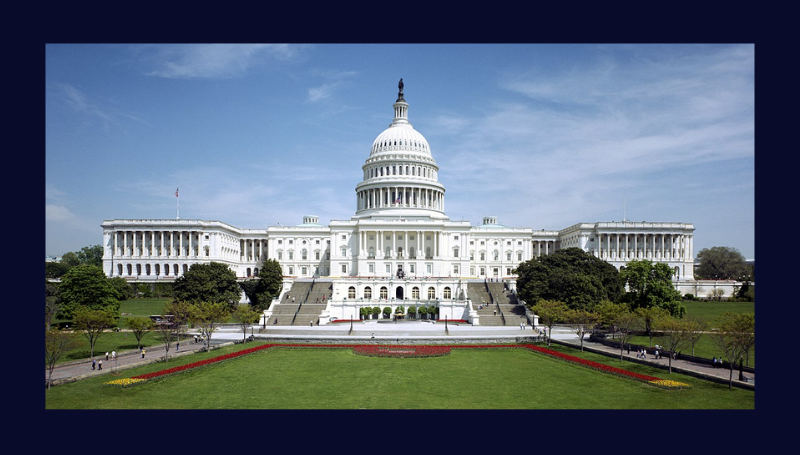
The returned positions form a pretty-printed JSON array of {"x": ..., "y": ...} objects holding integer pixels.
[
  {"x": 650, "y": 285},
  {"x": 70, "y": 259},
  {"x": 735, "y": 335},
  {"x": 627, "y": 324},
  {"x": 207, "y": 316},
  {"x": 674, "y": 335},
  {"x": 722, "y": 263},
  {"x": 268, "y": 286},
  {"x": 572, "y": 276},
  {"x": 86, "y": 286},
  {"x": 91, "y": 255},
  {"x": 551, "y": 312},
  {"x": 607, "y": 312},
  {"x": 245, "y": 316},
  {"x": 140, "y": 326},
  {"x": 94, "y": 322},
  {"x": 123, "y": 288},
  {"x": 57, "y": 343},
  {"x": 695, "y": 329},
  {"x": 387, "y": 311},
  {"x": 650, "y": 318},
  {"x": 581, "y": 322},
  {"x": 55, "y": 269},
  {"x": 52, "y": 302},
  {"x": 376, "y": 311},
  {"x": 212, "y": 282}
]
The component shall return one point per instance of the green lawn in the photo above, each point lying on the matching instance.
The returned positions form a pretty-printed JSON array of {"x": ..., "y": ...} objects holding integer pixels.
[
  {"x": 339, "y": 379},
  {"x": 707, "y": 311}
]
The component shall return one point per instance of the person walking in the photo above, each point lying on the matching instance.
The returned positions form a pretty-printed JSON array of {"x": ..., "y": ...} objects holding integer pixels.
[
  {"x": 178, "y": 346},
  {"x": 142, "y": 352},
  {"x": 113, "y": 355},
  {"x": 106, "y": 355},
  {"x": 100, "y": 365},
  {"x": 94, "y": 363}
]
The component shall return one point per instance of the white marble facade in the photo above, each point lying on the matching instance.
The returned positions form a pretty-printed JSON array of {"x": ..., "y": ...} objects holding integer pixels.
[{"x": 399, "y": 229}]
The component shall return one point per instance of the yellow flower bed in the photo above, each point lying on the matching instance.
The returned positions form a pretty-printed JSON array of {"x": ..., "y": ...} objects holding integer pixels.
[
  {"x": 127, "y": 382},
  {"x": 667, "y": 384}
]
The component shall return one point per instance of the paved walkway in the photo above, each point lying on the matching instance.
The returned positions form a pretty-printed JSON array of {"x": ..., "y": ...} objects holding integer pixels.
[{"x": 380, "y": 332}]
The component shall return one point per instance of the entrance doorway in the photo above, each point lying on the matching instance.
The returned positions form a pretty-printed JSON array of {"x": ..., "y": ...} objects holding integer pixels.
[{"x": 399, "y": 293}]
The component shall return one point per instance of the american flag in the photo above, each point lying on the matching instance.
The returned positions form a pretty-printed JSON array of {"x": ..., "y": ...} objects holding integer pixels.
[
  {"x": 176, "y": 192},
  {"x": 397, "y": 201}
]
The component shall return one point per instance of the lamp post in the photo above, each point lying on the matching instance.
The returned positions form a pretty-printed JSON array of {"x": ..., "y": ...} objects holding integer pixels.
[
  {"x": 351, "y": 325},
  {"x": 445, "y": 325}
]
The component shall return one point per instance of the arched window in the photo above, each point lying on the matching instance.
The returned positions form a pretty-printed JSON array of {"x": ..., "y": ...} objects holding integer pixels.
[
  {"x": 291, "y": 255},
  {"x": 384, "y": 292},
  {"x": 447, "y": 292},
  {"x": 496, "y": 255},
  {"x": 351, "y": 292},
  {"x": 415, "y": 293},
  {"x": 367, "y": 292},
  {"x": 304, "y": 254},
  {"x": 431, "y": 293},
  {"x": 508, "y": 256}
]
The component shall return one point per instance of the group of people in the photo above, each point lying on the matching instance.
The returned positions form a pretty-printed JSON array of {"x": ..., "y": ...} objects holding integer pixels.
[
  {"x": 717, "y": 362},
  {"x": 98, "y": 364}
]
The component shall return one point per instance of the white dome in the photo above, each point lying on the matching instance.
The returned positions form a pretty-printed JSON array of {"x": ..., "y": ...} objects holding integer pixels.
[{"x": 400, "y": 137}]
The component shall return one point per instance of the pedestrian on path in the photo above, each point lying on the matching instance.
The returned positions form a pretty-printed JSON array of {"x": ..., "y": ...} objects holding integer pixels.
[
  {"x": 142, "y": 352},
  {"x": 113, "y": 355},
  {"x": 178, "y": 346},
  {"x": 106, "y": 355},
  {"x": 100, "y": 365},
  {"x": 94, "y": 363}
]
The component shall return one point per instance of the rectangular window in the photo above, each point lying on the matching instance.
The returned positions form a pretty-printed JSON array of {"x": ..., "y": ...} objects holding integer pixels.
[
  {"x": 344, "y": 268},
  {"x": 455, "y": 269},
  {"x": 388, "y": 268},
  {"x": 372, "y": 268},
  {"x": 483, "y": 271},
  {"x": 429, "y": 268},
  {"x": 411, "y": 269}
]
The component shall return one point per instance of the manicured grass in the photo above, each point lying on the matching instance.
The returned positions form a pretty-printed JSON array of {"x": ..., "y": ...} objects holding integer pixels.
[
  {"x": 336, "y": 378},
  {"x": 711, "y": 311}
]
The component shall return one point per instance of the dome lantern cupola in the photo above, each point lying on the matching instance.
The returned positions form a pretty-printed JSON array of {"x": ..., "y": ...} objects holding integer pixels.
[{"x": 400, "y": 174}]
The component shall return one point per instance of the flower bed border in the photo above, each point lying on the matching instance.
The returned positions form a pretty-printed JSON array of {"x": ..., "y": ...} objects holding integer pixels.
[{"x": 403, "y": 351}]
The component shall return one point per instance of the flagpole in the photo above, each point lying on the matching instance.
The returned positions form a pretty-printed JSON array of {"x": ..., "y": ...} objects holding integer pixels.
[{"x": 177, "y": 204}]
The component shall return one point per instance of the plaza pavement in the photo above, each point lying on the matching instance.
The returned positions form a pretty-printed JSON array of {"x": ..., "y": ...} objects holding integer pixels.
[{"x": 380, "y": 332}]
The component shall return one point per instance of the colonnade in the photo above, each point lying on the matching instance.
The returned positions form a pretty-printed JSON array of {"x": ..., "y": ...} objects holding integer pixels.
[
  {"x": 415, "y": 197},
  {"x": 625, "y": 246},
  {"x": 156, "y": 243},
  {"x": 417, "y": 248}
]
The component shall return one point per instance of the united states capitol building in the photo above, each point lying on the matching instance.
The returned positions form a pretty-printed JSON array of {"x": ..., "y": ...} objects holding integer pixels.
[{"x": 398, "y": 249}]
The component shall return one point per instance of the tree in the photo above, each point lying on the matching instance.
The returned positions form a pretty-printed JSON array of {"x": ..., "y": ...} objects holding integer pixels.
[
  {"x": 93, "y": 323},
  {"x": 722, "y": 263},
  {"x": 56, "y": 344},
  {"x": 550, "y": 312},
  {"x": 674, "y": 334},
  {"x": 582, "y": 321},
  {"x": 571, "y": 275},
  {"x": 735, "y": 335},
  {"x": 86, "y": 286},
  {"x": 122, "y": 287},
  {"x": 212, "y": 282},
  {"x": 91, "y": 255},
  {"x": 55, "y": 269},
  {"x": 627, "y": 323},
  {"x": 607, "y": 312},
  {"x": 387, "y": 311},
  {"x": 139, "y": 327},
  {"x": 207, "y": 316},
  {"x": 650, "y": 318},
  {"x": 695, "y": 330},
  {"x": 52, "y": 302},
  {"x": 176, "y": 316},
  {"x": 245, "y": 316},
  {"x": 70, "y": 260},
  {"x": 650, "y": 285}
]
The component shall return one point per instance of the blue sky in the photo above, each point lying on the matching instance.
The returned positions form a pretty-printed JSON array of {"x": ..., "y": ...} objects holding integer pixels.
[{"x": 542, "y": 136}]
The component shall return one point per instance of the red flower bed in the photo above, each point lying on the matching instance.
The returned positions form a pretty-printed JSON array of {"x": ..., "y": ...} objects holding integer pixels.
[
  {"x": 409, "y": 351},
  {"x": 401, "y": 351}
]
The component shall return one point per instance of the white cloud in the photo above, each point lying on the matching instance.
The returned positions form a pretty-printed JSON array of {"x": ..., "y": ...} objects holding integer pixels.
[
  {"x": 57, "y": 213},
  {"x": 213, "y": 60}
]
